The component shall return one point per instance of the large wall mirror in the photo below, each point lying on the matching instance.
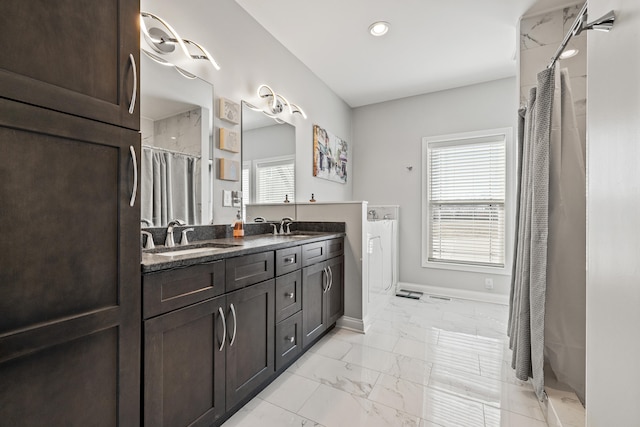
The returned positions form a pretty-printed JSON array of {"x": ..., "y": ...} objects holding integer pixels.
[
  {"x": 176, "y": 120},
  {"x": 268, "y": 161}
]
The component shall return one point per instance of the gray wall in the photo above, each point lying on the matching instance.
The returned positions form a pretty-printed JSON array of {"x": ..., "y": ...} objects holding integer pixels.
[
  {"x": 388, "y": 139},
  {"x": 248, "y": 57},
  {"x": 613, "y": 217}
]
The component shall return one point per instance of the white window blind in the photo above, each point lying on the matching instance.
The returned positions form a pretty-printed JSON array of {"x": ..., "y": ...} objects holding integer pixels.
[
  {"x": 275, "y": 180},
  {"x": 466, "y": 201}
]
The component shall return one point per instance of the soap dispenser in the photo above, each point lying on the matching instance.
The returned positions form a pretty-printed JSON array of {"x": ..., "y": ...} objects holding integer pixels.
[{"x": 238, "y": 226}]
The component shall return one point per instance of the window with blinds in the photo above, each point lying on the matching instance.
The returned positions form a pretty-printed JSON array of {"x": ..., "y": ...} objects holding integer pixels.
[
  {"x": 465, "y": 194},
  {"x": 274, "y": 179}
]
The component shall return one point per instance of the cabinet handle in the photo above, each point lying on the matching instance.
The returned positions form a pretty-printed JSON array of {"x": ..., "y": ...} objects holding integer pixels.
[
  {"x": 290, "y": 260},
  {"x": 325, "y": 280},
  {"x": 290, "y": 339},
  {"x": 224, "y": 328},
  {"x": 289, "y": 295},
  {"x": 132, "y": 104},
  {"x": 134, "y": 190},
  {"x": 330, "y": 279},
  {"x": 235, "y": 324}
]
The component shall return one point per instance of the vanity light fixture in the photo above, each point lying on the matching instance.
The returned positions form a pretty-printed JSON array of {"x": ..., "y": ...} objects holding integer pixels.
[
  {"x": 379, "y": 28},
  {"x": 164, "y": 41},
  {"x": 277, "y": 103}
]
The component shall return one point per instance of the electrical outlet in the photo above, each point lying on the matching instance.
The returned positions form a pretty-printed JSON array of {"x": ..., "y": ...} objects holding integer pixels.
[{"x": 488, "y": 284}]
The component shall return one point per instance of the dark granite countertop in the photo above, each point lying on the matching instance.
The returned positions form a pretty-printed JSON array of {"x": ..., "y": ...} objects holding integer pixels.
[{"x": 153, "y": 262}]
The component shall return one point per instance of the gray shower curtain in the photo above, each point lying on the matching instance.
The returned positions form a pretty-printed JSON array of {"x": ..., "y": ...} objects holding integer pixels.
[
  {"x": 168, "y": 187},
  {"x": 546, "y": 317}
]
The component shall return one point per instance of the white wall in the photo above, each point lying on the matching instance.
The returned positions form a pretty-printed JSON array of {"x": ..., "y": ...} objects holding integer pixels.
[
  {"x": 249, "y": 56},
  {"x": 613, "y": 218},
  {"x": 388, "y": 138}
]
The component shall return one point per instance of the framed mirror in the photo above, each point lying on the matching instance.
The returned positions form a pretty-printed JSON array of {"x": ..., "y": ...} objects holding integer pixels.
[
  {"x": 268, "y": 163},
  {"x": 176, "y": 121}
]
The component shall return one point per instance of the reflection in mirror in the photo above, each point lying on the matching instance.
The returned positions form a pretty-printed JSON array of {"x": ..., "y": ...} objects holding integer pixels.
[
  {"x": 268, "y": 161},
  {"x": 176, "y": 121}
]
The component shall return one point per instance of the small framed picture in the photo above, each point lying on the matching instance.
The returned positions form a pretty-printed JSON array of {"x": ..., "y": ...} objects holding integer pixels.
[
  {"x": 229, "y": 170},
  {"x": 229, "y": 111},
  {"x": 229, "y": 140}
]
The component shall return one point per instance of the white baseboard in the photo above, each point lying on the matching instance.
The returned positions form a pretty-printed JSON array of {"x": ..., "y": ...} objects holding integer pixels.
[
  {"x": 456, "y": 293},
  {"x": 352, "y": 324}
]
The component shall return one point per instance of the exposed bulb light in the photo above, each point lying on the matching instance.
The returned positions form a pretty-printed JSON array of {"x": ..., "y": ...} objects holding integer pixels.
[
  {"x": 278, "y": 103},
  {"x": 379, "y": 28},
  {"x": 569, "y": 53}
]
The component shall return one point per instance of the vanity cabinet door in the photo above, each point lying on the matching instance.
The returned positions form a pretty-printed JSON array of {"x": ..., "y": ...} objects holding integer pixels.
[
  {"x": 335, "y": 293},
  {"x": 250, "y": 339},
  {"x": 184, "y": 366},
  {"x": 314, "y": 284},
  {"x": 70, "y": 273},
  {"x": 76, "y": 57}
]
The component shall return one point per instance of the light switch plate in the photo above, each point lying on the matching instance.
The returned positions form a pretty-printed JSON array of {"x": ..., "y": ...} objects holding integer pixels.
[
  {"x": 236, "y": 198},
  {"x": 227, "y": 199}
]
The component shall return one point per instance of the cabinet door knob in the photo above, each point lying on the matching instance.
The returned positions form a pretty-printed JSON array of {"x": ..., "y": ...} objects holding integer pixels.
[
  {"x": 289, "y": 295},
  {"x": 290, "y": 260},
  {"x": 290, "y": 339}
]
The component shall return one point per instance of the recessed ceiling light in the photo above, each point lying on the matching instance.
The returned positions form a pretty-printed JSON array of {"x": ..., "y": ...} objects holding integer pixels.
[
  {"x": 569, "y": 53},
  {"x": 379, "y": 28}
]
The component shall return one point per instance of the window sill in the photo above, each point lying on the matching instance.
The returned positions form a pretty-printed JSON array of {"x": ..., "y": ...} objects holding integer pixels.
[{"x": 500, "y": 271}]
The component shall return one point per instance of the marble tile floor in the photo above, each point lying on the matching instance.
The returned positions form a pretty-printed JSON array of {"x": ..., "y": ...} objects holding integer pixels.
[{"x": 423, "y": 363}]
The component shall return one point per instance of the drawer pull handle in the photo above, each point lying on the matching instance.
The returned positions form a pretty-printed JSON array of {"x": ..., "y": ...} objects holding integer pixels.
[
  {"x": 289, "y": 295},
  {"x": 224, "y": 328},
  {"x": 235, "y": 324},
  {"x": 290, "y": 339},
  {"x": 290, "y": 260}
]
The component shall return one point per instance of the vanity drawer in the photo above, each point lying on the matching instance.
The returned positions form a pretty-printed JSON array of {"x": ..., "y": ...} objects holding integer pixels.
[
  {"x": 249, "y": 269},
  {"x": 313, "y": 253},
  {"x": 288, "y": 260},
  {"x": 288, "y": 295},
  {"x": 335, "y": 247},
  {"x": 169, "y": 290},
  {"x": 288, "y": 340}
]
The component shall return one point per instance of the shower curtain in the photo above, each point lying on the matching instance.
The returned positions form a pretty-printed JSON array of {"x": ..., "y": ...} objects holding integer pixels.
[
  {"x": 547, "y": 302},
  {"x": 168, "y": 187}
]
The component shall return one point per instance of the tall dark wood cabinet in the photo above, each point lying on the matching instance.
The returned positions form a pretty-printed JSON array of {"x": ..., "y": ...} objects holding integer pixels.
[{"x": 70, "y": 263}]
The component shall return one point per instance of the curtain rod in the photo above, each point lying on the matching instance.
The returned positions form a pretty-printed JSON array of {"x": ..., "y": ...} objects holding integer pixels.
[
  {"x": 575, "y": 29},
  {"x": 166, "y": 150}
]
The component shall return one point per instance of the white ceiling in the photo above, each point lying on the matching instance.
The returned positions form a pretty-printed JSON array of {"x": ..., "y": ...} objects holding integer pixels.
[{"x": 432, "y": 44}]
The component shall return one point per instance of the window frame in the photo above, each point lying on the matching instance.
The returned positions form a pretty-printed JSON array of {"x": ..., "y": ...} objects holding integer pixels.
[{"x": 509, "y": 202}]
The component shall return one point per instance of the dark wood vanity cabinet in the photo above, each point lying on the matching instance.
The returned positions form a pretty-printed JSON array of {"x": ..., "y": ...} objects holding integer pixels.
[
  {"x": 250, "y": 351},
  {"x": 78, "y": 57},
  {"x": 322, "y": 290},
  {"x": 185, "y": 364},
  {"x": 70, "y": 297}
]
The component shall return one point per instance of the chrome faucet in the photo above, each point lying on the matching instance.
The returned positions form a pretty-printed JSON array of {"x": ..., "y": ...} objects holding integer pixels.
[
  {"x": 285, "y": 221},
  {"x": 149, "y": 242},
  {"x": 168, "y": 241},
  {"x": 373, "y": 214},
  {"x": 146, "y": 222}
]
